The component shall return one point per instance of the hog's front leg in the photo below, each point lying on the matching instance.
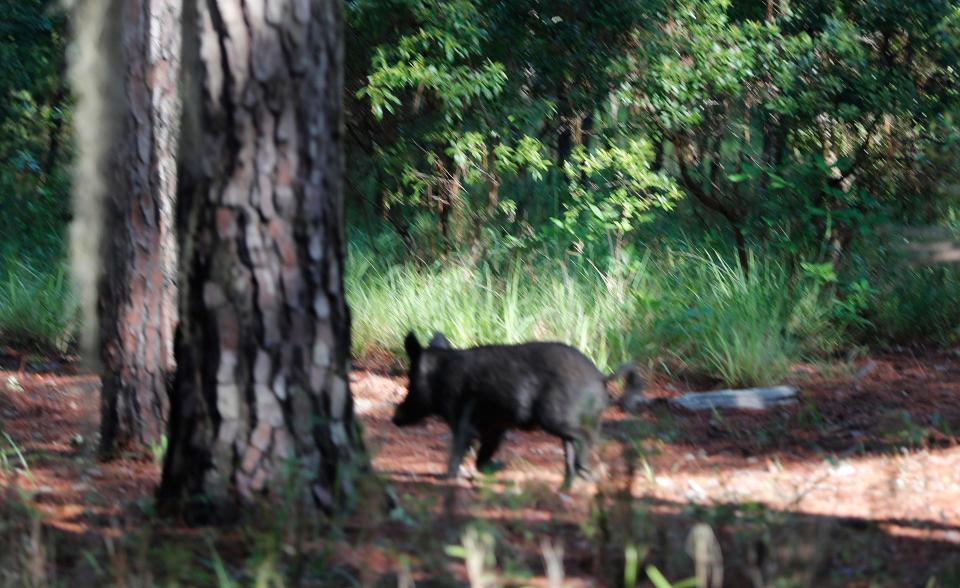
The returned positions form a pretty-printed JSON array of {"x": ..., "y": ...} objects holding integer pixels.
[{"x": 462, "y": 435}]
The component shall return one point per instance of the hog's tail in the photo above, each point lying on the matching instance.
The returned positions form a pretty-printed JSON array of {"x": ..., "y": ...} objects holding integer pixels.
[
  {"x": 627, "y": 369},
  {"x": 633, "y": 387}
]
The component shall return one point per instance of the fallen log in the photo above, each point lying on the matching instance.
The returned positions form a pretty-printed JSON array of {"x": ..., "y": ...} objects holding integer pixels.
[{"x": 743, "y": 399}]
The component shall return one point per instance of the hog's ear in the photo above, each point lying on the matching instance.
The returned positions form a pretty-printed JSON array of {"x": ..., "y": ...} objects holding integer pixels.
[
  {"x": 412, "y": 346},
  {"x": 439, "y": 341}
]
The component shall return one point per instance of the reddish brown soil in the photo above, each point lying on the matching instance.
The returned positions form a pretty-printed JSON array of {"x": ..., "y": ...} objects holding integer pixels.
[
  {"x": 52, "y": 419},
  {"x": 865, "y": 469}
]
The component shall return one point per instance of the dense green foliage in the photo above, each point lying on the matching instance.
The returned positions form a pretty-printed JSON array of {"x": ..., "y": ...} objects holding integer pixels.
[
  {"x": 788, "y": 137},
  {"x": 34, "y": 153},
  {"x": 34, "y": 142},
  {"x": 798, "y": 130},
  {"x": 708, "y": 180}
]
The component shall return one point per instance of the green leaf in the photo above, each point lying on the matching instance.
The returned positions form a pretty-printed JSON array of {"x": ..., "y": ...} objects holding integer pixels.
[
  {"x": 657, "y": 578},
  {"x": 456, "y": 551}
]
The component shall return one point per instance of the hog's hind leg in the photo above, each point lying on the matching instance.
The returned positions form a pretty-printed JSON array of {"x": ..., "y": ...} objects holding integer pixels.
[
  {"x": 590, "y": 413},
  {"x": 570, "y": 460},
  {"x": 576, "y": 449},
  {"x": 568, "y": 426},
  {"x": 582, "y": 456}
]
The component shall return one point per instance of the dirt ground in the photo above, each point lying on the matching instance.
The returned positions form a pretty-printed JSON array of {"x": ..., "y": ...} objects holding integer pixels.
[{"x": 864, "y": 472}]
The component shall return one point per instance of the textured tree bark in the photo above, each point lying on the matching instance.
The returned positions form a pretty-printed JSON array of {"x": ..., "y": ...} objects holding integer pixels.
[
  {"x": 261, "y": 397},
  {"x": 451, "y": 209},
  {"x": 136, "y": 293}
]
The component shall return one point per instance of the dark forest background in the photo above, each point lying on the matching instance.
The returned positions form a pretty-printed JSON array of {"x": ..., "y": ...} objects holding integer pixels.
[{"x": 725, "y": 183}]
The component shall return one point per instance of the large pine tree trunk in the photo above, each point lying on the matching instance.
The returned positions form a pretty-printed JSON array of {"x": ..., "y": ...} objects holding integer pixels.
[
  {"x": 262, "y": 347},
  {"x": 136, "y": 293}
]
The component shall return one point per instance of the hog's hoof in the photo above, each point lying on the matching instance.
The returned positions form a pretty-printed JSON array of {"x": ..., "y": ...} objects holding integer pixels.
[
  {"x": 578, "y": 484},
  {"x": 463, "y": 472},
  {"x": 586, "y": 475},
  {"x": 490, "y": 467}
]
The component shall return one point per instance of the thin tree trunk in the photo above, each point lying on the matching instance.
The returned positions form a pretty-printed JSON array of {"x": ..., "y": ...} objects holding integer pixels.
[
  {"x": 136, "y": 293},
  {"x": 564, "y": 143},
  {"x": 586, "y": 130},
  {"x": 712, "y": 201},
  {"x": 493, "y": 181},
  {"x": 584, "y": 136},
  {"x": 565, "y": 130},
  {"x": 770, "y": 131},
  {"x": 658, "y": 151},
  {"x": 53, "y": 138},
  {"x": 261, "y": 392},
  {"x": 451, "y": 210}
]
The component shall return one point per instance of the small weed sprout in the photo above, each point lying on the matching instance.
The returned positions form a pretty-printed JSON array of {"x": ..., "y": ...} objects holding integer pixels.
[
  {"x": 477, "y": 552},
  {"x": 553, "y": 562}
]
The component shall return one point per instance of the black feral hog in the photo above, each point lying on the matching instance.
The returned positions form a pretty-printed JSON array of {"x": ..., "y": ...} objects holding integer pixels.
[{"x": 482, "y": 392}]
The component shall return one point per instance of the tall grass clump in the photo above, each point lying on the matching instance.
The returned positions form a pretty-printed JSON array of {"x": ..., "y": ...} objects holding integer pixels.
[
  {"x": 916, "y": 305},
  {"x": 601, "y": 312},
  {"x": 742, "y": 326},
  {"x": 37, "y": 311}
]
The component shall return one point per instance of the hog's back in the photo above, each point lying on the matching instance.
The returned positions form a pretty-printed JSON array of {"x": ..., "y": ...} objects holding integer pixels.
[{"x": 529, "y": 385}]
